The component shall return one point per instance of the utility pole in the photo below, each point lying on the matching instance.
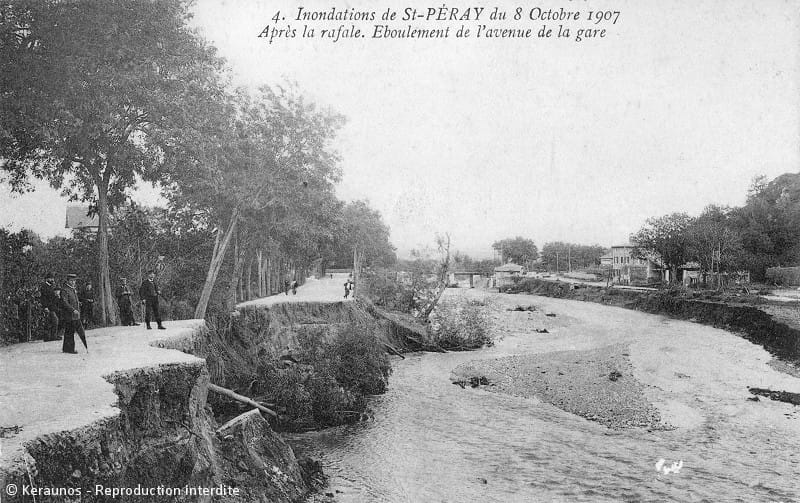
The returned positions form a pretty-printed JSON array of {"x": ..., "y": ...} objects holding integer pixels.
[{"x": 569, "y": 258}]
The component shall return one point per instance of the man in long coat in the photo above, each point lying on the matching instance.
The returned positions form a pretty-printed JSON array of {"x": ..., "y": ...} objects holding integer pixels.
[
  {"x": 87, "y": 305},
  {"x": 52, "y": 306},
  {"x": 72, "y": 315},
  {"x": 124, "y": 294},
  {"x": 148, "y": 292}
]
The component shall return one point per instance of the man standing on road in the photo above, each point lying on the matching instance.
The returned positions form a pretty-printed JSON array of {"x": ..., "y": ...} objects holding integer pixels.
[
  {"x": 148, "y": 292},
  {"x": 72, "y": 316},
  {"x": 52, "y": 306},
  {"x": 87, "y": 305},
  {"x": 124, "y": 294}
]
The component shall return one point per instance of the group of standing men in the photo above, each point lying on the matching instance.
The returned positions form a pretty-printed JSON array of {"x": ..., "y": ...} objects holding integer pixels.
[
  {"x": 287, "y": 285},
  {"x": 349, "y": 287},
  {"x": 67, "y": 311}
]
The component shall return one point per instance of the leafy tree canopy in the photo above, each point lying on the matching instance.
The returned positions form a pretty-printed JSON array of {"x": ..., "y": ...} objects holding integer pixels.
[
  {"x": 666, "y": 237},
  {"x": 519, "y": 250}
]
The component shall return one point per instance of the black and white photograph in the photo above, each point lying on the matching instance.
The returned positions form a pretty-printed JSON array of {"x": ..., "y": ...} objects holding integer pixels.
[{"x": 325, "y": 251}]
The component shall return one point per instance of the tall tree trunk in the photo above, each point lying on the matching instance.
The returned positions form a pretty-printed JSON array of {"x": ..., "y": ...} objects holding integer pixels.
[
  {"x": 269, "y": 275},
  {"x": 108, "y": 315},
  {"x": 236, "y": 274},
  {"x": 215, "y": 265},
  {"x": 358, "y": 257},
  {"x": 260, "y": 259},
  {"x": 248, "y": 291}
]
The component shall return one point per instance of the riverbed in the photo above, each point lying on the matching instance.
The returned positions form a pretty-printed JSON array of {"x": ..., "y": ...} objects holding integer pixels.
[{"x": 430, "y": 440}]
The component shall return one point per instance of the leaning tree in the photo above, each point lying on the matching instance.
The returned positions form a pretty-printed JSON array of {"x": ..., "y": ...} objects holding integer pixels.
[
  {"x": 91, "y": 90},
  {"x": 262, "y": 155}
]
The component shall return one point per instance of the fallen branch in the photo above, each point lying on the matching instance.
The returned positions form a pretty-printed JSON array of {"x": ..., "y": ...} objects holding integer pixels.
[
  {"x": 239, "y": 398},
  {"x": 393, "y": 351},
  {"x": 425, "y": 346}
]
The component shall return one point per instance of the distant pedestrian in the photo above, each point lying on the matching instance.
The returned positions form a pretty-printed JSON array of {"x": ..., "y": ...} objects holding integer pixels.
[
  {"x": 87, "y": 305},
  {"x": 52, "y": 306},
  {"x": 63, "y": 311},
  {"x": 72, "y": 316},
  {"x": 346, "y": 288},
  {"x": 286, "y": 285},
  {"x": 149, "y": 293},
  {"x": 124, "y": 294},
  {"x": 294, "y": 287}
]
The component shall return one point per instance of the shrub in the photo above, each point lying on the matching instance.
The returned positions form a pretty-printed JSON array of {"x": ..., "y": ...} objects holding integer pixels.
[
  {"x": 358, "y": 362},
  {"x": 384, "y": 289},
  {"x": 461, "y": 326},
  {"x": 328, "y": 385}
]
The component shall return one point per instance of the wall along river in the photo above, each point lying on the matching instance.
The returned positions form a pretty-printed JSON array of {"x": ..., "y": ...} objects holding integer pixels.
[{"x": 433, "y": 441}]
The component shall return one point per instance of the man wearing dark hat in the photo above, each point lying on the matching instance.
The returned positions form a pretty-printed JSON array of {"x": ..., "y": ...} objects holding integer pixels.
[
  {"x": 87, "y": 304},
  {"x": 148, "y": 292},
  {"x": 72, "y": 316},
  {"x": 52, "y": 306},
  {"x": 124, "y": 294}
]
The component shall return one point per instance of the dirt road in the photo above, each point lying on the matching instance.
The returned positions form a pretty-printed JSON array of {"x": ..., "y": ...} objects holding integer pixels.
[{"x": 43, "y": 390}]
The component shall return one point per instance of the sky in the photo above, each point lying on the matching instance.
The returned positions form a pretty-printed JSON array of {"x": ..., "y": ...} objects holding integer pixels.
[{"x": 679, "y": 106}]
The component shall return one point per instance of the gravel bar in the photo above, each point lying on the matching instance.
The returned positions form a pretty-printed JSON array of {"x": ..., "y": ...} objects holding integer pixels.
[{"x": 596, "y": 384}]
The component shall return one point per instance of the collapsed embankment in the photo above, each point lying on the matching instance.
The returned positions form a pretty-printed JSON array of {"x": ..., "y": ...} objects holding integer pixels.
[
  {"x": 757, "y": 326},
  {"x": 159, "y": 442},
  {"x": 277, "y": 328},
  {"x": 161, "y": 434},
  {"x": 314, "y": 363}
]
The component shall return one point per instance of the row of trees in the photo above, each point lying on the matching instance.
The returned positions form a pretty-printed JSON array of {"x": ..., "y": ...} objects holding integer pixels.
[
  {"x": 560, "y": 256},
  {"x": 519, "y": 250},
  {"x": 99, "y": 95},
  {"x": 760, "y": 234}
]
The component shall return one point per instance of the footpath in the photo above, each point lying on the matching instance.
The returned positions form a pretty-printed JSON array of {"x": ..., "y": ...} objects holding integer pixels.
[
  {"x": 44, "y": 391},
  {"x": 326, "y": 289}
]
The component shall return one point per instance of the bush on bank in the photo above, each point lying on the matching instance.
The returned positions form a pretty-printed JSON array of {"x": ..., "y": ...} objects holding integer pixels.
[
  {"x": 326, "y": 381},
  {"x": 460, "y": 326}
]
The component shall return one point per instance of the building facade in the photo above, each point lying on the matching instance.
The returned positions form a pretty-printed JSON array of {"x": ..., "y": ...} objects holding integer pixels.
[{"x": 628, "y": 269}]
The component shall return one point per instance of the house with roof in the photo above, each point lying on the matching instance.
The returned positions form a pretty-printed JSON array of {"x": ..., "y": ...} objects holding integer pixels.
[
  {"x": 79, "y": 219},
  {"x": 628, "y": 268},
  {"x": 505, "y": 274}
]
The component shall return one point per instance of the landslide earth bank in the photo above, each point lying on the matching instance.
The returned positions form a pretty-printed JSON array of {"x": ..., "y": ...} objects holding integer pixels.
[
  {"x": 159, "y": 431},
  {"x": 596, "y": 384},
  {"x": 164, "y": 435}
]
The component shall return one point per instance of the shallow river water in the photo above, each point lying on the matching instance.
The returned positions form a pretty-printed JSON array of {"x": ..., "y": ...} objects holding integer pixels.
[{"x": 433, "y": 441}]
